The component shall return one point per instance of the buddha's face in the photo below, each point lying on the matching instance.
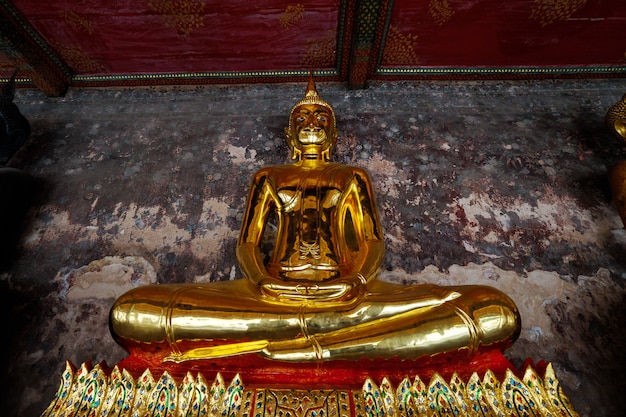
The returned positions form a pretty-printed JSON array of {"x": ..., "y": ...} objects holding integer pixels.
[{"x": 312, "y": 129}]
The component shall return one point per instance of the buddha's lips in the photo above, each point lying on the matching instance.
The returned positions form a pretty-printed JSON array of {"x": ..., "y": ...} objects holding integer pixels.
[{"x": 312, "y": 136}]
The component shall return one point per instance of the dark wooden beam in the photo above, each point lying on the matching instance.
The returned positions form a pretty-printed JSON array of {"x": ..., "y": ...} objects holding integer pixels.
[
  {"x": 371, "y": 18},
  {"x": 30, "y": 53}
]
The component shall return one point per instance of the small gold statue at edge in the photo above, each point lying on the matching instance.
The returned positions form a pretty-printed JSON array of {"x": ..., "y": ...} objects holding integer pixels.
[{"x": 616, "y": 122}]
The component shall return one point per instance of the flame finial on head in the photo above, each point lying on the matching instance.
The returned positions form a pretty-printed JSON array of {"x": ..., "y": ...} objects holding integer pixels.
[{"x": 311, "y": 90}]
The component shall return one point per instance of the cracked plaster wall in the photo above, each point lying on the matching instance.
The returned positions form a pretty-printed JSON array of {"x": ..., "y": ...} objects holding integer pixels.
[{"x": 497, "y": 183}]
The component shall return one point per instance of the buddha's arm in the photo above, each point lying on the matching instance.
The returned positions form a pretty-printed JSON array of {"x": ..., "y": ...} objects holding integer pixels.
[
  {"x": 260, "y": 200},
  {"x": 359, "y": 201}
]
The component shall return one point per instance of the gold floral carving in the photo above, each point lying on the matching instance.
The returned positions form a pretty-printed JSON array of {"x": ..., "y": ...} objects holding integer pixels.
[
  {"x": 77, "y": 22},
  {"x": 92, "y": 392},
  {"x": 400, "y": 48},
  {"x": 183, "y": 15},
  {"x": 441, "y": 11},
  {"x": 77, "y": 59},
  {"x": 320, "y": 52},
  {"x": 291, "y": 16},
  {"x": 549, "y": 11}
]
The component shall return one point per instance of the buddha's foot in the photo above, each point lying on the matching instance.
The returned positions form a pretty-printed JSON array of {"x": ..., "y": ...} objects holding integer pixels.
[
  {"x": 296, "y": 350},
  {"x": 219, "y": 351},
  {"x": 302, "y": 349}
]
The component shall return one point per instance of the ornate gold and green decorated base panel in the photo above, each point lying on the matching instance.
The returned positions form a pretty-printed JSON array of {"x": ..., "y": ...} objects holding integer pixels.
[{"x": 92, "y": 392}]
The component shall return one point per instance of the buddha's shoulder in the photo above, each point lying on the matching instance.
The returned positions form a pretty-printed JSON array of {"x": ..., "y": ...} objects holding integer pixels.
[
  {"x": 272, "y": 170},
  {"x": 350, "y": 170},
  {"x": 280, "y": 171}
]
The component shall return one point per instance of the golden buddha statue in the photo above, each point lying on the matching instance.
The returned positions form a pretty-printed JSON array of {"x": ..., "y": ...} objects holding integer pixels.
[{"x": 317, "y": 297}]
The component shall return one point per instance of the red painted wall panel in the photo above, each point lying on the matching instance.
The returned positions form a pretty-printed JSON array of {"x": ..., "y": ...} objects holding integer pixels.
[
  {"x": 162, "y": 36},
  {"x": 236, "y": 36},
  {"x": 496, "y": 33}
]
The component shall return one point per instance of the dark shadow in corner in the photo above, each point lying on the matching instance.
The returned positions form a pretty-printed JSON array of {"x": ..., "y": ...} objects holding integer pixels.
[
  {"x": 19, "y": 191},
  {"x": 20, "y": 195}
]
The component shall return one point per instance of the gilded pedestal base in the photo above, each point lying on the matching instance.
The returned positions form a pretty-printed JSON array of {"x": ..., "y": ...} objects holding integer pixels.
[{"x": 94, "y": 392}]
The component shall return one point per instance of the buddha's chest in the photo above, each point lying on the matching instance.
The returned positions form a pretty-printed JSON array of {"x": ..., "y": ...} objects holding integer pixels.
[
  {"x": 311, "y": 209},
  {"x": 309, "y": 191},
  {"x": 299, "y": 201}
]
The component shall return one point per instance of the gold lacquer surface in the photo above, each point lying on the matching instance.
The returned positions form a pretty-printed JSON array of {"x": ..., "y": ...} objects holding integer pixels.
[
  {"x": 616, "y": 122},
  {"x": 616, "y": 119},
  {"x": 316, "y": 296}
]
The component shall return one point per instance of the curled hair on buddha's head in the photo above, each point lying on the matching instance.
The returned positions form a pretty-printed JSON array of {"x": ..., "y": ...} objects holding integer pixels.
[{"x": 311, "y": 96}]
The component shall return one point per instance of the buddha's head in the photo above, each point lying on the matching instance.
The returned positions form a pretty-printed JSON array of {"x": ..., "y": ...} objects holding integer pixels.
[{"x": 312, "y": 131}]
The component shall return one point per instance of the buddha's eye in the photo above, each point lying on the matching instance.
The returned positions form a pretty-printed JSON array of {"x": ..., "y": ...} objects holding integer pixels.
[
  {"x": 301, "y": 119},
  {"x": 321, "y": 118}
]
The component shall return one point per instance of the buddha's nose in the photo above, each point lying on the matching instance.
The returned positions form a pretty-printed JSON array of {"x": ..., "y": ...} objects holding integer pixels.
[
  {"x": 313, "y": 127},
  {"x": 312, "y": 123}
]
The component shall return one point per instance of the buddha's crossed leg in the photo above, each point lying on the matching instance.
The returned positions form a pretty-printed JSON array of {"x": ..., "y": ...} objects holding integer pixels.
[{"x": 389, "y": 321}]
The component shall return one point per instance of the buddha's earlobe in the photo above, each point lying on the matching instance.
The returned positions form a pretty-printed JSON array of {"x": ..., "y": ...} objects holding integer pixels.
[
  {"x": 295, "y": 152},
  {"x": 328, "y": 152}
]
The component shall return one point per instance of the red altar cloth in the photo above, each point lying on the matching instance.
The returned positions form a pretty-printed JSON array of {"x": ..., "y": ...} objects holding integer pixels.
[{"x": 339, "y": 374}]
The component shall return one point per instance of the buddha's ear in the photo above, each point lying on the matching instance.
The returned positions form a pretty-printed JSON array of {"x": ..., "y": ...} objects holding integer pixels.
[
  {"x": 334, "y": 139},
  {"x": 295, "y": 152},
  {"x": 328, "y": 152}
]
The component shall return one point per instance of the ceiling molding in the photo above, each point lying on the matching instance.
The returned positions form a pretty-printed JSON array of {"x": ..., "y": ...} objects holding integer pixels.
[
  {"x": 277, "y": 41},
  {"x": 30, "y": 53},
  {"x": 500, "y": 73}
]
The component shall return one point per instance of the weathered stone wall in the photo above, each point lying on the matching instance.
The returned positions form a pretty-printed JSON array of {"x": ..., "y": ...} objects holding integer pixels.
[{"x": 497, "y": 183}]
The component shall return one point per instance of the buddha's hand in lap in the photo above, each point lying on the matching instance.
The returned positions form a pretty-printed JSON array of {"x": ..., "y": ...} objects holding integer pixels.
[{"x": 338, "y": 289}]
